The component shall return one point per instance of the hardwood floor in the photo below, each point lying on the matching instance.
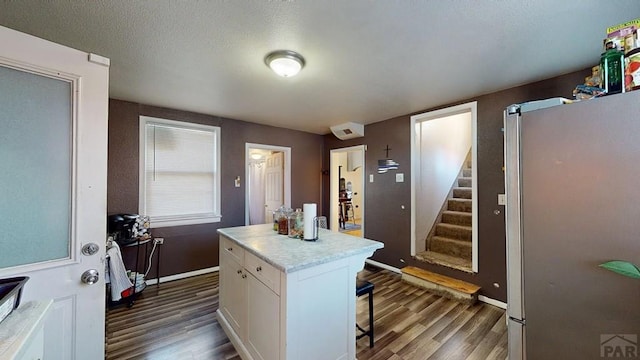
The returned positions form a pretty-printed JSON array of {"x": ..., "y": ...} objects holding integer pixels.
[
  {"x": 178, "y": 321},
  {"x": 175, "y": 321}
]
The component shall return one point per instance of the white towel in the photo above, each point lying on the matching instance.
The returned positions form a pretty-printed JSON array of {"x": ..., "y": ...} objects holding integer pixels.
[{"x": 117, "y": 273}]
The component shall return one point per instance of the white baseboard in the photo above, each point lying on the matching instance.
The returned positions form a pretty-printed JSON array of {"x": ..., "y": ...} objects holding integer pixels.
[
  {"x": 493, "y": 302},
  {"x": 183, "y": 275},
  {"x": 383, "y": 266}
]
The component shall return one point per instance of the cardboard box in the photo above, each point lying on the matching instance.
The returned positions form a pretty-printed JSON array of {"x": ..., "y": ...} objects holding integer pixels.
[{"x": 624, "y": 29}]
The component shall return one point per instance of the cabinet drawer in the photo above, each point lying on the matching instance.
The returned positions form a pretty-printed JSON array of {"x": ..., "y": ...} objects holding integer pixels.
[
  {"x": 231, "y": 249},
  {"x": 263, "y": 271}
]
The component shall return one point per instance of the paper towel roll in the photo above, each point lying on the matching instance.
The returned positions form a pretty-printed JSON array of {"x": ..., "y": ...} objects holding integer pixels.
[{"x": 309, "y": 213}]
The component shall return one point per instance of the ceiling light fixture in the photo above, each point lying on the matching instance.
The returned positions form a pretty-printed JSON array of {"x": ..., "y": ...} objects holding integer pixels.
[
  {"x": 256, "y": 156},
  {"x": 285, "y": 63}
]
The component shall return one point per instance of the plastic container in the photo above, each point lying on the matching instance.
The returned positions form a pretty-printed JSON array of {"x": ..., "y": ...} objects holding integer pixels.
[{"x": 10, "y": 293}]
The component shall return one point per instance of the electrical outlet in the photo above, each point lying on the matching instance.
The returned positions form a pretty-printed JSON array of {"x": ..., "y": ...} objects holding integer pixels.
[{"x": 158, "y": 241}]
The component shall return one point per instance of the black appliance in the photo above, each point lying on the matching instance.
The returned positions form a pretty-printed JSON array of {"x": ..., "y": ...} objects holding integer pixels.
[{"x": 120, "y": 226}]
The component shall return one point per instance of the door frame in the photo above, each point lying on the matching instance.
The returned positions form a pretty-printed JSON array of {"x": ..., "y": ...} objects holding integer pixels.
[
  {"x": 333, "y": 187},
  {"x": 472, "y": 108},
  {"x": 287, "y": 173}
]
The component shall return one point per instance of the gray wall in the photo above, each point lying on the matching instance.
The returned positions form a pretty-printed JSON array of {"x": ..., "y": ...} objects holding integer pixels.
[
  {"x": 385, "y": 220},
  {"x": 193, "y": 247}
]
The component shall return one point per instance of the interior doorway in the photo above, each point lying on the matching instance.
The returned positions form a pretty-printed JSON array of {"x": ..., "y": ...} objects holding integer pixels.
[
  {"x": 444, "y": 205},
  {"x": 268, "y": 181},
  {"x": 347, "y": 190}
]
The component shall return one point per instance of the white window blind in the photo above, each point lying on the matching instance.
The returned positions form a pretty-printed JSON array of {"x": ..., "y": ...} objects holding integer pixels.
[{"x": 180, "y": 175}]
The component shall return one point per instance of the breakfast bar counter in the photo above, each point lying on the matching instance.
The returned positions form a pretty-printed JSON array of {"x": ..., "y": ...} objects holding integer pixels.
[{"x": 285, "y": 298}]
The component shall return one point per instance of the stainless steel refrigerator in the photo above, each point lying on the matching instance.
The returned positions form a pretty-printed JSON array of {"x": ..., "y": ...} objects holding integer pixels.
[{"x": 572, "y": 177}]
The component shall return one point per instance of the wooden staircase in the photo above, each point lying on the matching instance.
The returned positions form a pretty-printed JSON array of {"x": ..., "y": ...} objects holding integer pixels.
[{"x": 441, "y": 285}]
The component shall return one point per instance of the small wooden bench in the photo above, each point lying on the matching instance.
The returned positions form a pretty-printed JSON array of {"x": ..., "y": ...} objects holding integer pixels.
[{"x": 441, "y": 285}]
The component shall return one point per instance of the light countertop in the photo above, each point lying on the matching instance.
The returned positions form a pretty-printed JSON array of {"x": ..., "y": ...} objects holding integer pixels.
[
  {"x": 290, "y": 254},
  {"x": 17, "y": 329}
]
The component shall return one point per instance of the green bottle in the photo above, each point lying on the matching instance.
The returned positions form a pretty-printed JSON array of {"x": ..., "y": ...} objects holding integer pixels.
[{"x": 612, "y": 65}]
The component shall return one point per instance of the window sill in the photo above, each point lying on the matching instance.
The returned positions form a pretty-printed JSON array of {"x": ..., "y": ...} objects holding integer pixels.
[{"x": 175, "y": 221}]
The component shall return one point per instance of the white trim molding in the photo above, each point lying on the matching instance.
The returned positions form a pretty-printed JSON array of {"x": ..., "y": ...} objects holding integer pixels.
[
  {"x": 184, "y": 275},
  {"x": 472, "y": 109},
  {"x": 493, "y": 302},
  {"x": 383, "y": 266}
]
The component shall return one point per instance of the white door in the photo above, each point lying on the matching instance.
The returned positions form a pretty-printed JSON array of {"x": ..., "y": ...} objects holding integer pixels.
[
  {"x": 53, "y": 152},
  {"x": 273, "y": 184}
]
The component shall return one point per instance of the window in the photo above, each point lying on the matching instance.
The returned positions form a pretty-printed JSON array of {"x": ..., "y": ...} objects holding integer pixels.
[{"x": 179, "y": 172}]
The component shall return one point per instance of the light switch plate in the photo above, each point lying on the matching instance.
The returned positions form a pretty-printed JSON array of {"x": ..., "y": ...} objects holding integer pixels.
[
  {"x": 502, "y": 199},
  {"x": 400, "y": 177},
  {"x": 370, "y": 178}
]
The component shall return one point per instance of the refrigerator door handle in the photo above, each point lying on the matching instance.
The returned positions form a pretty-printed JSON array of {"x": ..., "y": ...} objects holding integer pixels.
[{"x": 515, "y": 305}]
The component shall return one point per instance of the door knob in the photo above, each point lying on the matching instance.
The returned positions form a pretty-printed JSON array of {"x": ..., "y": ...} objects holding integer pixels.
[
  {"x": 90, "y": 249},
  {"x": 90, "y": 277}
]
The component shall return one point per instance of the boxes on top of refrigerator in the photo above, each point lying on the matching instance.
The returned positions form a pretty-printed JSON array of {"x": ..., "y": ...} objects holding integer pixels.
[{"x": 624, "y": 29}]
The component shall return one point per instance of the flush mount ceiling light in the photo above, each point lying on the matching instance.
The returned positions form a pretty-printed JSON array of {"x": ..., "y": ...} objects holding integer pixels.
[{"x": 285, "y": 63}]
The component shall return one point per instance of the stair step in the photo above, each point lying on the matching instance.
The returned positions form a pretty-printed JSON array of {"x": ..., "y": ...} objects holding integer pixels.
[
  {"x": 466, "y": 172},
  {"x": 464, "y": 181},
  {"x": 456, "y": 217},
  {"x": 453, "y": 262},
  {"x": 464, "y": 205},
  {"x": 440, "y": 284},
  {"x": 462, "y": 193},
  {"x": 457, "y": 248},
  {"x": 456, "y": 232}
]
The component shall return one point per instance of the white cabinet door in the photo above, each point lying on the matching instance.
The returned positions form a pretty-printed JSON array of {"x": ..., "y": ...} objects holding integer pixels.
[
  {"x": 263, "y": 321},
  {"x": 53, "y": 156},
  {"x": 233, "y": 299}
]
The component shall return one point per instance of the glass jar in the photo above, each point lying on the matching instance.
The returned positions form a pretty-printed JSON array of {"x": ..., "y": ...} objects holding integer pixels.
[
  {"x": 296, "y": 224},
  {"x": 274, "y": 220},
  {"x": 283, "y": 220}
]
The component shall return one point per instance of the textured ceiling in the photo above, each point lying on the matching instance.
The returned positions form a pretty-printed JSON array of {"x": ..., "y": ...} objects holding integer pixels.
[{"x": 367, "y": 60}]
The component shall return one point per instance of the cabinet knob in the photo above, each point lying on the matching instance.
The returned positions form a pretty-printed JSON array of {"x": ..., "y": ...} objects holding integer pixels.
[
  {"x": 239, "y": 271},
  {"x": 230, "y": 249},
  {"x": 244, "y": 276},
  {"x": 259, "y": 268}
]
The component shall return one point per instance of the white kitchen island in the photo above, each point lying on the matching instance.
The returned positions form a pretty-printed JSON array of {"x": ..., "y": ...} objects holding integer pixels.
[{"x": 285, "y": 298}]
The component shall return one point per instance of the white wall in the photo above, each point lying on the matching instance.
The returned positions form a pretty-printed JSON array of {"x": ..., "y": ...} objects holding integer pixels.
[{"x": 443, "y": 145}]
